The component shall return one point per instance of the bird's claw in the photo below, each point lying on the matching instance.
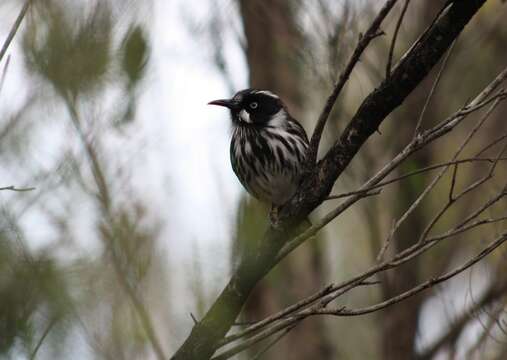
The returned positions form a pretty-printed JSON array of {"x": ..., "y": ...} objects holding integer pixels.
[{"x": 273, "y": 216}]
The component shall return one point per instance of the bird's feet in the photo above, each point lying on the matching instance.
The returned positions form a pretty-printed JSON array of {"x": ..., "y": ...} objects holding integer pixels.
[{"x": 273, "y": 216}]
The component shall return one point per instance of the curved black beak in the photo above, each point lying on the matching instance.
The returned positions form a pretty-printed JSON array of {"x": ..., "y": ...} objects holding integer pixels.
[{"x": 223, "y": 102}]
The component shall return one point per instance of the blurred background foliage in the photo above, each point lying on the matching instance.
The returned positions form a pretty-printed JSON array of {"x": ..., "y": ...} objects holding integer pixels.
[{"x": 102, "y": 285}]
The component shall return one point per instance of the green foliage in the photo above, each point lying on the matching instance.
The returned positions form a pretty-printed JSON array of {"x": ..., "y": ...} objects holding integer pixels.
[
  {"x": 73, "y": 55},
  {"x": 135, "y": 54},
  {"x": 28, "y": 287}
]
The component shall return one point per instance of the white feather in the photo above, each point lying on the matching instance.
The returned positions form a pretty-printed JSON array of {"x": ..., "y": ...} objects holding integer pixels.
[
  {"x": 268, "y": 93},
  {"x": 279, "y": 119},
  {"x": 244, "y": 116}
]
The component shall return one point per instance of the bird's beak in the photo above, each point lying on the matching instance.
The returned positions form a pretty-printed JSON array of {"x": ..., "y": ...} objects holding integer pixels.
[{"x": 223, "y": 102}]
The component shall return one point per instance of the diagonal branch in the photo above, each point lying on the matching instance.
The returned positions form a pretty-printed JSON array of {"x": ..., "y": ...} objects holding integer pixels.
[
  {"x": 499, "y": 241},
  {"x": 364, "y": 41},
  {"x": 320, "y": 308},
  {"x": 206, "y": 335},
  {"x": 395, "y": 37},
  {"x": 494, "y": 292},
  {"x": 14, "y": 188},
  {"x": 409, "y": 72},
  {"x": 14, "y": 28},
  {"x": 421, "y": 246}
]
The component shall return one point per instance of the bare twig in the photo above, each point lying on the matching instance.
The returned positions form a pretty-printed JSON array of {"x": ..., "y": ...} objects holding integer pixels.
[
  {"x": 486, "y": 333},
  {"x": 460, "y": 323},
  {"x": 395, "y": 37},
  {"x": 193, "y": 318},
  {"x": 453, "y": 183},
  {"x": 492, "y": 144},
  {"x": 13, "y": 188},
  {"x": 364, "y": 41},
  {"x": 14, "y": 28},
  {"x": 254, "y": 340},
  {"x": 437, "y": 178},
  {"x": 425, "y": 285},
  {"x": 413, "y": 173},
  {"x": 414, "y": 145},
  {"x": 320, "y": 308},
  {"x": 333, "y": 291},
  {"x": 433, "y": 88},
  {"x": 43, "y": 337},
  {"x": 259, "y": 355},
  {"x": 4, "y": 72},
  {"x": 387, "y": 242}
]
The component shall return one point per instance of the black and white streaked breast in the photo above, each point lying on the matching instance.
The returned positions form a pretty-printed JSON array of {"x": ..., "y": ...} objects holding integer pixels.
[{"x": 268, "y": 157}]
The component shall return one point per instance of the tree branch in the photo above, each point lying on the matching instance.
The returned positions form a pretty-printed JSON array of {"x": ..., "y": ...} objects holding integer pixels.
[
  {"x": 333, "y": 291},
  {"x": 409, "y": 72},
  {"x": 412, "y": 69},
  {"x": 13, "y": 188},
  {"x": 490, "y": 296},
  {"x": 395, "y": 37},
  {"x": 364, "y": 41},
  {"x": 14, "y": 28}
]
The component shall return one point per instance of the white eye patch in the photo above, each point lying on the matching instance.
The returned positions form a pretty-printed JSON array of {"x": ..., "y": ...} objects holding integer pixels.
[{"x": 244, "y": 116}]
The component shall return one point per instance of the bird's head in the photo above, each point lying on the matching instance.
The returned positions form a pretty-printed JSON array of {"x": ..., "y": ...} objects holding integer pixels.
[{"x": 254, "y": 107}]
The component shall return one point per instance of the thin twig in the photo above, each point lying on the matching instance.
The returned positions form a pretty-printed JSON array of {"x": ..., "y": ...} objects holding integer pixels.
[
  {"x": 290, "y": 309},
  {"x": 43, "y": 337},
  {"x": 453, "y": 183},
  {"x": 484, "y": 336},
  {"x": 4, "y": 72},
  {"x": 425, "y": 285},
  {"x": 13, "y": 188},
  {"x": 457, "y": 326},
  {"x": 387, "y": 242},
  {"x": 413, "y": 173},
  {"x": 330, "y": 293},
  {"x": 320, "y": 308},
  {"x": 370, "y": 192},
  {"x": 254, "y": 340},
  {"x": 14, "y": 28},
  {"x": 259, "y": 355},
  {"x": 491, "y": 144},
  {"x": 433, "y": 88},
  {"x": 437, "y": 178},
  {"x": 395, "y": 37},
  {"x": 364, "y": 41},
  {"x": 415, "y": 144}
]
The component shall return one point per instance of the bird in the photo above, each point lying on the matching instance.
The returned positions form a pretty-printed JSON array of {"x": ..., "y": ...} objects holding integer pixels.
[{"x": 268, "y": 146}]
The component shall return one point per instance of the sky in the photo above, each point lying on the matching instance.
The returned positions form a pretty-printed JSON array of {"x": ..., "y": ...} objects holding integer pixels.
[{"x": 177, "y": 126}]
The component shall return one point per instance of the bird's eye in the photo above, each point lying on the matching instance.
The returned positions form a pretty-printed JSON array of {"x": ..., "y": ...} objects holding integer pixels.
[{"x": 254, "y": 105}]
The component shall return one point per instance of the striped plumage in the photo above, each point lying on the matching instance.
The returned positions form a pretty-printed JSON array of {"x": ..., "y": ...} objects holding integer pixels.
[{"x": 268, "y": 146}]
